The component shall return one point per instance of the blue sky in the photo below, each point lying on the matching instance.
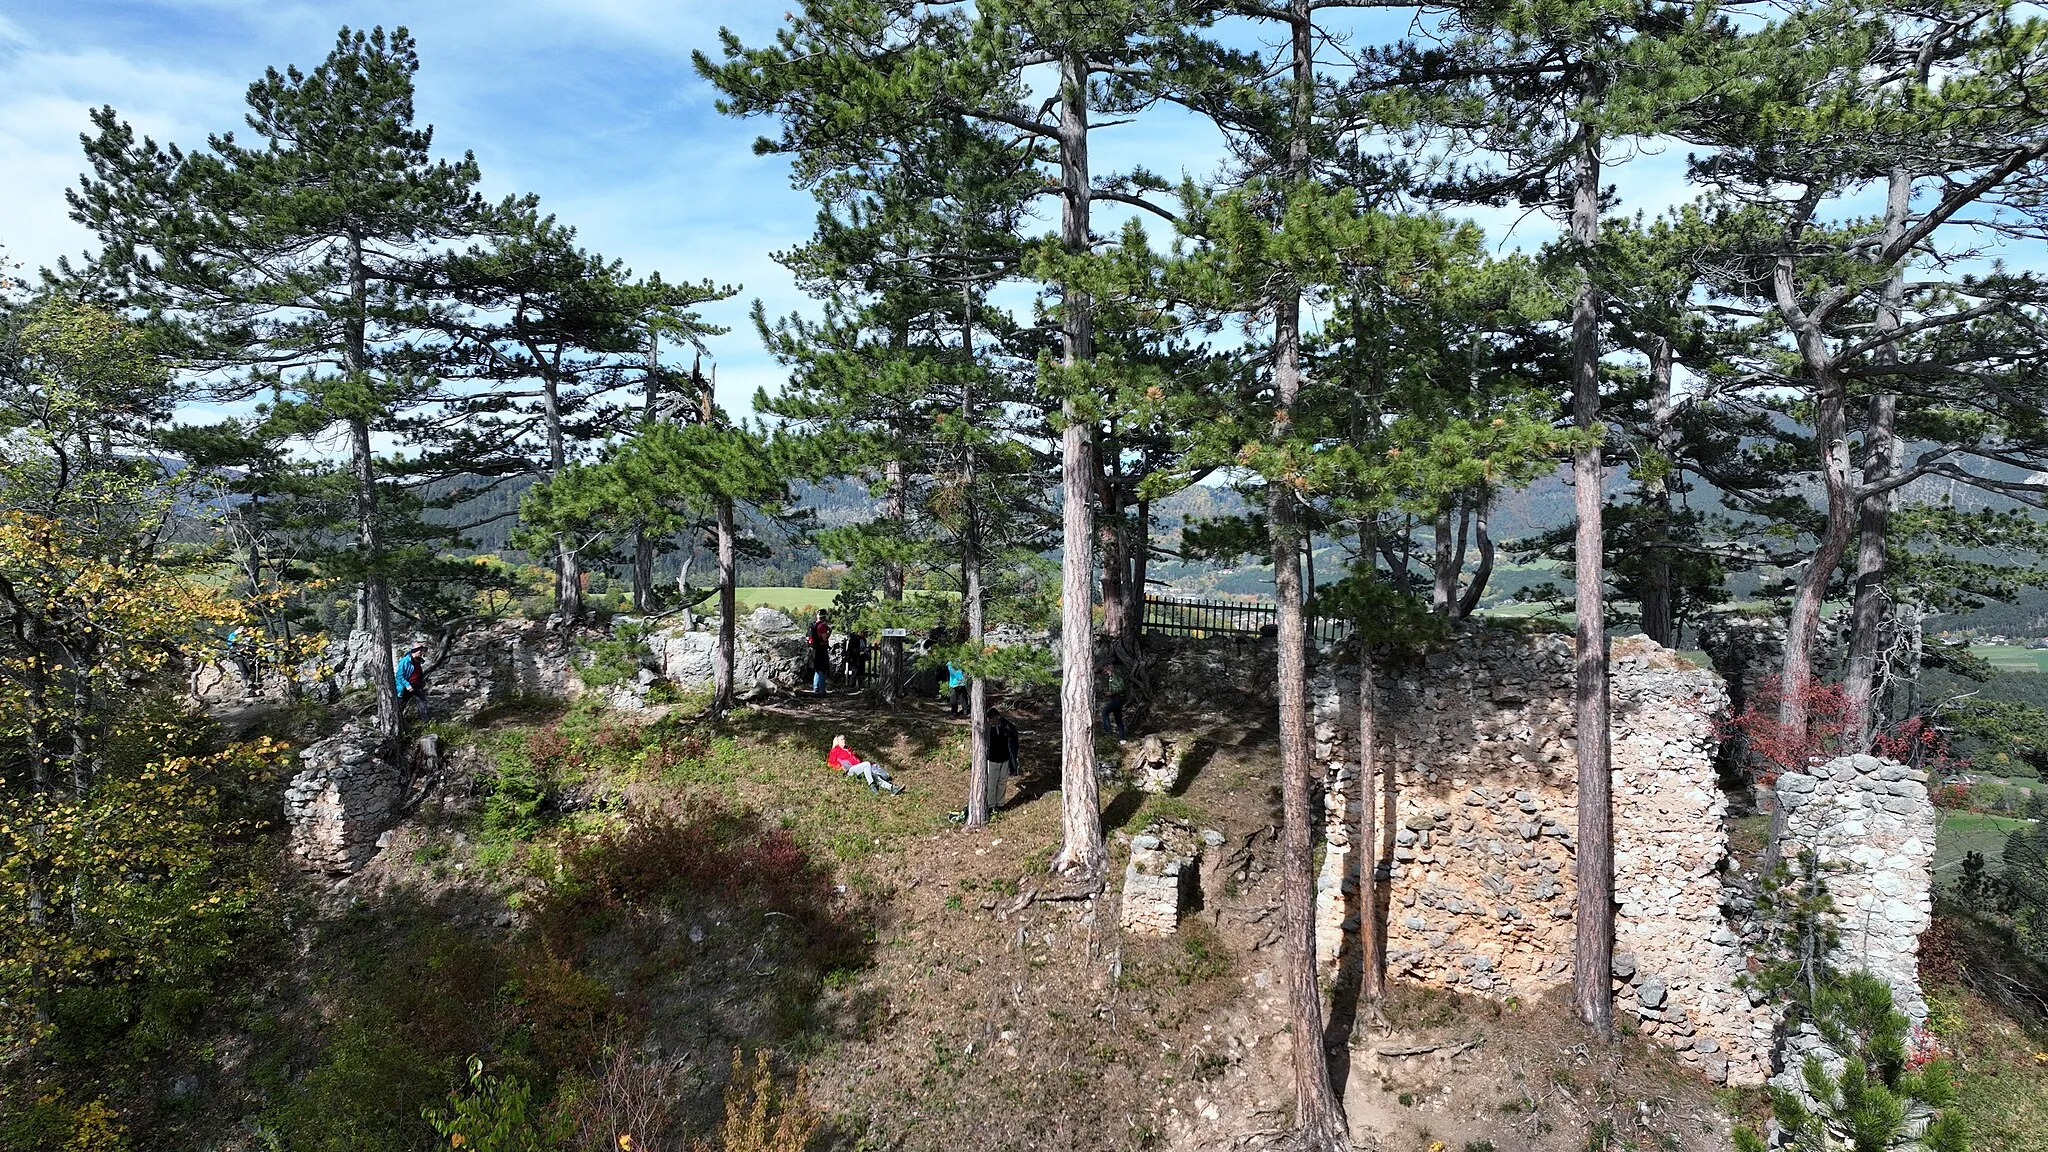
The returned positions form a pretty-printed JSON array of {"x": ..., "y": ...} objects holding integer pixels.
[{"x": 591, "y": 104}]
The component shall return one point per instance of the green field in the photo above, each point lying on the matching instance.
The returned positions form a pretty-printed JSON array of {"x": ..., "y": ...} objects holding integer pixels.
[
  {"x": 1960, "y": 832},
  {"x": 785, "y": 599},
  {"x": 794, "y": 600},
  {"x": 2011, "y": 657}
]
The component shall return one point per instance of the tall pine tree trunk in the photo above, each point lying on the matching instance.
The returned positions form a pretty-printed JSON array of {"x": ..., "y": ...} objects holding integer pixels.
[
  {"x": 376, "y": 591},
  {"x": 1317, "y": 1112},
  {"x": 1081, "y": 848},
  {"x": 1871, "y": 614},
  {"x": 568, "y": 564},
  {"x": 650, "y": 408},
  {"x": 1593, "y": 936},
  {"x": 1316, "y": 1109},
  {"x": 728, "y": 612},
  {"x": 1110, "y": 530},
  {"x": 1140, "y": 561},
  {"x": 1481, "y": 576},
  {"x": 1802, "y": 629},
  {"x": 1445, "y": 587},
  {"x": 978, "y": 786},
  {"x": 1659, "y": 598},
  {"x": 894, "y": 507},
  {"x": 1372, "y": 934}
]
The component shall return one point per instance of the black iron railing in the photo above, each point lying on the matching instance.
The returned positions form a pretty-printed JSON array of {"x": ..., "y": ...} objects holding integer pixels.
[{"x": 1220, "y": 616}]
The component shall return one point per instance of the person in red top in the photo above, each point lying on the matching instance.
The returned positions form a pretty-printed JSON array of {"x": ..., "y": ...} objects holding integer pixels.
[
  {"x": 849, "y": 762},
  {"x": 820, "y": 640}
]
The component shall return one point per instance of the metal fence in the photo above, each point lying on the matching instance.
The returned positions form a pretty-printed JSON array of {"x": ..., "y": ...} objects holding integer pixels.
[{"x": 1202, "y": 617}]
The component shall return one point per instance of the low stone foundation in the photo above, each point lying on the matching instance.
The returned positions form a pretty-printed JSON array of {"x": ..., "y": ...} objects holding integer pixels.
[
  {"x": 1157, "y": 880},
  {"x": 1479, "y": 823}
]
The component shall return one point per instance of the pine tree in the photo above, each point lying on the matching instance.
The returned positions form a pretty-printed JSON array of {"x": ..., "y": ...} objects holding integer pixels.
[
  {"x": 1544, "y": 91},
  {"x": 577, "y": 330},
  {"x": 845, "y": 76},
  {"x": 1900, "y": 99},
  {"x": 302, "y": 264}
]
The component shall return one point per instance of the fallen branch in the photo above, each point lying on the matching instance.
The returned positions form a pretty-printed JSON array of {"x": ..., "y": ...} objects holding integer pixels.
[{"x": 1449, "y": 1048}]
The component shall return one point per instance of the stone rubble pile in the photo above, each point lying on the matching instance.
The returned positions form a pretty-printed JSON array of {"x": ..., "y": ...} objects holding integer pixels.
[
  {"x": 1154, "y": 763},
  {"x": 1477, "y": 836}
]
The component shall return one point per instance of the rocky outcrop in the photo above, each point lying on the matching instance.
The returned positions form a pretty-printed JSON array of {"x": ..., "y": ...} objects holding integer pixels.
[
  {"x": 503, "y": 661},
  {"x": 770, "y": 654},
  {"x": 348, "y": 793},
  {"x": 1870, "y": 825},
  {"x": 1478, "y": 803}
]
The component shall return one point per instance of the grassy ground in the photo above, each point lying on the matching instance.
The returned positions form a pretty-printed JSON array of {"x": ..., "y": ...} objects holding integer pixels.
[
  {"x": 1984, "y": 1002},
  {"x": 1961, "y": 832}
]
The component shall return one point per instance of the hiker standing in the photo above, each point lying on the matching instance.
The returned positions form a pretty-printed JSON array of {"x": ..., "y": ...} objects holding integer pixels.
[
  {"x": 1113, "y": 695},
  {"x": 410, "y": 678},
  {"x": 821, "y": 652},
  {"x": 857, "y": 659},
  {"x": 1002, "y": 755},
  {"x": 956, "y": 684}
]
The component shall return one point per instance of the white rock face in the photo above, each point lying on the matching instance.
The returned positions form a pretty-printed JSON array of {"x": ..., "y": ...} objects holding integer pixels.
[{"x": 770, "y": 654}]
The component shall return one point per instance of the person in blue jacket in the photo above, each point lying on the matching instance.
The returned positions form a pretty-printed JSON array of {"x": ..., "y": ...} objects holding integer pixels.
[
  {"x": 410, "y": 678},
  {"x": 956, "y": 683}
]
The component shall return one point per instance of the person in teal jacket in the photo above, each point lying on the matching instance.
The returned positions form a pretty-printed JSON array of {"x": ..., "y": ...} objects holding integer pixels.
[
  {"x": 956, "y": 681},
  {"x": 410, "y": 678}
]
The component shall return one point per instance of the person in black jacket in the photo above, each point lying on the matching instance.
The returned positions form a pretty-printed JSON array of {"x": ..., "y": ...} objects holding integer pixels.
[
  {"x": 1002, "y": 743},
  {"x": 856, "y": 659},
  {"x": 1002, "y": 755}
]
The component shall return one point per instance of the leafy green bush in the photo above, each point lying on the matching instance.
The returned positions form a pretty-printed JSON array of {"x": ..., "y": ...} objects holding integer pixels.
[{"x": 498, "y": 1114}]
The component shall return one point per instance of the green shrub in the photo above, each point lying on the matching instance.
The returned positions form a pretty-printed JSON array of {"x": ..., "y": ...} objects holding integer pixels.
[
  {"x": 498, "y": 1114},
  {"x": 616, "y": 658}
]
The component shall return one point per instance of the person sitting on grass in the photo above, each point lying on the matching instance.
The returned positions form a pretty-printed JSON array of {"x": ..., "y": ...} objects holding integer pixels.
[{"x": 849, "y": 762}]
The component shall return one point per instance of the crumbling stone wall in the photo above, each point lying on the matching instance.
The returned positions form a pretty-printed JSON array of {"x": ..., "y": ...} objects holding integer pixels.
[
  {"x": 346, "y": 796},
  {"x": 1477, "y": 740},
  {"x": 505, "y": 660},
  {"x": 1870, "y": 824}
]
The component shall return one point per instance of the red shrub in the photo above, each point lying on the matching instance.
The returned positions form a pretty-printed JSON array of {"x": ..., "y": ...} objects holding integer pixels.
[{"x": 1775, "y": 748}]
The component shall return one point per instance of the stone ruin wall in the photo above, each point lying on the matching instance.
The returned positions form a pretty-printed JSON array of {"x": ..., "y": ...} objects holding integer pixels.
[
  {"x": 1479, "y": 738},
  {"x": 1871, "y": 826}
]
